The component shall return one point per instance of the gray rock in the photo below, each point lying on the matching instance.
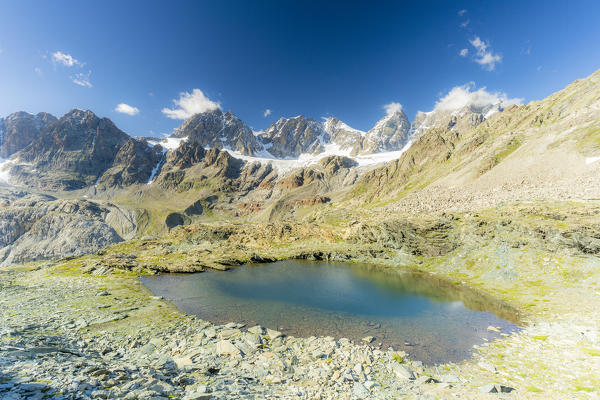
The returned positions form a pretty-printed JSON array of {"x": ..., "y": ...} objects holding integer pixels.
[
  {"x": 449, "y": 378},
  {"x": 225, "y": 347},
  {"x": 402, "y": 372},
  {"x": 360, "y": 391},
  {"x": 425, "y": 379},
  {"x": 273, "y": 334},
  {"x": 495, "y": 388},
  {"x": 257, "y": 330}
]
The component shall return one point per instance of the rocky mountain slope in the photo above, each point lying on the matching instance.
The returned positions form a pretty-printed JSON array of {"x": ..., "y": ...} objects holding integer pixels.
[
  {"x": 21, "y": 128},
  {"x": 75, "y": 151},
  {"x": 540, "y": 151}
]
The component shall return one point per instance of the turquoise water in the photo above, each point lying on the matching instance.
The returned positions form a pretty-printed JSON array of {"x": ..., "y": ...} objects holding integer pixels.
[{"x": 429, "y": 318}]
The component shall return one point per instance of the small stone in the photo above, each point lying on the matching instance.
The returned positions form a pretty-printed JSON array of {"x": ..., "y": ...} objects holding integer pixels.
[
  {"x": 225, "y": 347},
  {"x": 489, "y": 388},
  {"x": 402, "y": 372},
  {"x": 273, "y": 334},
  {"x": 360, "y": 390},
  {"x": 370, "y": 384},
  {"x": 102, "y": 293},
  {"x": 210, "y": 333},
  {"x": 197, "y": 395},
  {"x": 358, "y": 368},
  {"x": 257, "y": 330},
  {"x": 228, "y": 333},
  {"x": 495, "y": 388},
  {"x": 449, "y": 378},
  {"x": 368, "y": 339},
  {"x": 148, "y": 348},
  {"x": 493, "y": 329},
  {"x": 425, "y": 379}
]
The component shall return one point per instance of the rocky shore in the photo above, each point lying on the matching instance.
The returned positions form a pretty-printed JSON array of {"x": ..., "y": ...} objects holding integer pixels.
[{"x": 67, "y": 336}]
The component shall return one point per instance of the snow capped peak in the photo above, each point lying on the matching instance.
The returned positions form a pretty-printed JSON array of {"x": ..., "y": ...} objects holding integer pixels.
[{"x": 333, "y": 124}]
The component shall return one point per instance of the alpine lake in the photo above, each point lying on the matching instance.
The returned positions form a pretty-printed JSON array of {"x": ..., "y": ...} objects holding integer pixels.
[{"x": 433, "y": 320}]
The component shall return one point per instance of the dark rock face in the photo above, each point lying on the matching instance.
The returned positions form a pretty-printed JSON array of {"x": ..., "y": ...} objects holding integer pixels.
[
  {"x": 333, "y": 164},
  {"x": 20, "y": 129},
  {"x": 186, "y": 155},
  {"x": 80, "y": 146},
  {"x": 223, "y": 163},
  {"x": 133, "y": 164},
  {"x": 290, "y": 137},
  {"x": 218, "y": 130}
]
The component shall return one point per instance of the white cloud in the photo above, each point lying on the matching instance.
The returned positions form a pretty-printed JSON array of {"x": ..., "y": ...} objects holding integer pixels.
[
  {"x": 38, "y": 71},
  {"x": 82, "y": 79},
  {"x": 127, "y": 109},
  {"x": 463, "y": 52},
  {"x": 392, "y": 108},
  {"x": 466, "y": 95},
  {"x": 267, "y": 112},
  {"x": 485, "y": 57},
  {"x": 189, "y": 104},
  {"x": 65, "y": 59},
  {"x": 465, "y": 23},
  {"x": 462, "y": 12}
]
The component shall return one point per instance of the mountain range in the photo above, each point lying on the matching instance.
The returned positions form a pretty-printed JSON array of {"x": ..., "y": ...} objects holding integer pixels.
[
  {"x": 88, "y": 172},
  {"x": 80, "y": 149}
]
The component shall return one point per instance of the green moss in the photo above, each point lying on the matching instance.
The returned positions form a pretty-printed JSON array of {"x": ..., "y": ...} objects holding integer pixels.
[
  {"x": 541, "y": 338},
  {"x": 534, "y": 389},
  {"x": 398, "y": 358},
  {"x": 591, "y": 351}
]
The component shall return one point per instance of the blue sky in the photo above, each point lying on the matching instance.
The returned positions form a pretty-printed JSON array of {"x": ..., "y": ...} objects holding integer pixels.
[{"x": 346, "y": 59}]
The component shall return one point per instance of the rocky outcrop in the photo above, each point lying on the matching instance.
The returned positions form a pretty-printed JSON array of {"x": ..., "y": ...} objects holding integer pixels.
[
  {"x": 133, "y": 164},
  {"x": 333, "y": 164},
  {"x": 290, "y": 137},
  {"x": 38, "y": 228},
  {"x": 344, "y": 136},
  {"x": 389, "y": 133},
  {"x": 186, "y": 155}
]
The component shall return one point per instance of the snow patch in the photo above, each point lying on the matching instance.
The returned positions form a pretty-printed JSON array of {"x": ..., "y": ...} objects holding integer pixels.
[
  {"x": 155, "y": 170},
  {"x": 4, "y": 167},
  {"x": 306, "y": 159},
  {"x": 169, "y": 143},
  {"x": 590, "y": 160}
]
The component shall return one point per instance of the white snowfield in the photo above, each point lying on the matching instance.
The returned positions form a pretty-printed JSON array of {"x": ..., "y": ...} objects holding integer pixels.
[
  {"x": 590, "y": 160},
  {"x": 304, "y": 160},
  {"x": 168, "y": 143},
  {"x": 4, "y": 167},
  {"x": 285, "y": 165}
]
